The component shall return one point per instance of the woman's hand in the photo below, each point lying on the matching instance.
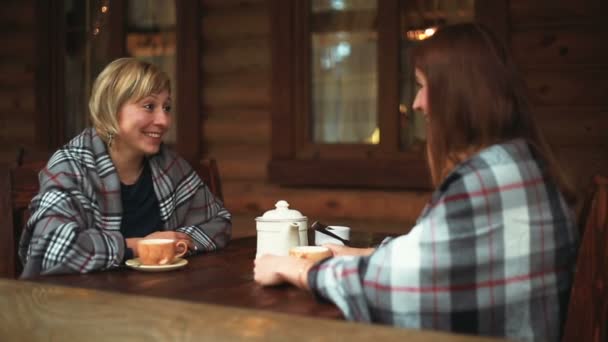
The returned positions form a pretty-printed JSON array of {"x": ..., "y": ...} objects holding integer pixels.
[
  {"x": 173, "y": 235},
  {"x": 265, "y": 270},
  {"x": 275, "y": 270},
  {"x": 339, "y": 250},
  {"x": 132, "y": 244}
]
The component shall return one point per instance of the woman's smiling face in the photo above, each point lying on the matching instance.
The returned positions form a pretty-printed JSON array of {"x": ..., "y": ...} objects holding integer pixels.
[{"x": 142, "y": 124}]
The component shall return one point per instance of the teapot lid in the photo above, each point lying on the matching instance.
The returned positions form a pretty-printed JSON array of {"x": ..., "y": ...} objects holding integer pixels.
[{"x": 282, "y": 212}]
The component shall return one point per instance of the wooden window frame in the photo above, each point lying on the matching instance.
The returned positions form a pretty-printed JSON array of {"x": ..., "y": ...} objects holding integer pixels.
[
  {"x": 296, "y": 160},
  {"x": 187, "y": 27},
  {"x": 50, "y": 81}
]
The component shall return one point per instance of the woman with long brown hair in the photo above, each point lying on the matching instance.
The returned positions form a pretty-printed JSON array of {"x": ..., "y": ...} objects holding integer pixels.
[{"x": 494, "y": 250}]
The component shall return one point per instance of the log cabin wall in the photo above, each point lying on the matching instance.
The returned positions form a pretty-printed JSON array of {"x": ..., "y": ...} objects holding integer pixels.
[
  {"x": 17, "y": 77},
  {"x": 236, "y": 101},
  {"x": 559, "y": 45}
]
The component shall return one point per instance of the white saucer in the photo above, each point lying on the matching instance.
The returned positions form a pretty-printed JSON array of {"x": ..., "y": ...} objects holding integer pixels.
[{"x": 136, "y": 265}]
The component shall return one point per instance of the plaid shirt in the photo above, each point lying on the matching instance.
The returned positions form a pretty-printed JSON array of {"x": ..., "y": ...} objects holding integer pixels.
[
  {"x": 493, "y": 253},
  {"x": 75, "y": 218}
]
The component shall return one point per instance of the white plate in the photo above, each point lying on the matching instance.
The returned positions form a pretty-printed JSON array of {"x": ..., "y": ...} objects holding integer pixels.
[{"x": 136, "y": 265}]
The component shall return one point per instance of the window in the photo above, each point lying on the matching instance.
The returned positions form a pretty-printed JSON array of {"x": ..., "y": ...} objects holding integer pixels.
[
  {"x": 166, "y": 33},
  {"x": 343, "y": 88},
  {"x": 79, "y": 38},
  {"x": 151, "y": 37}
]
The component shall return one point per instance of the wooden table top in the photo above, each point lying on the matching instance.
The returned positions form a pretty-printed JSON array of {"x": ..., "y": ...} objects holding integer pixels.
[
  {"x": 224, "y": 277},
  {"x": 183, "y": 308},
  {"x": 42, "y": 312}
]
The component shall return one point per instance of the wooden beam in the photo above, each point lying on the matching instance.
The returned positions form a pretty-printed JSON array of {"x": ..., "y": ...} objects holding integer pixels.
[
  {"x": 495, "y": 15},
  {"x": 189, "y": 118},
  {"x": 50, "y": 42},
  {"x": 7, "y": 257}
]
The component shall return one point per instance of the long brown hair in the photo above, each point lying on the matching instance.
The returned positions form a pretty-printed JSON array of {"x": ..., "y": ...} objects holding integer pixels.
[{"x": 475, "y": 98}]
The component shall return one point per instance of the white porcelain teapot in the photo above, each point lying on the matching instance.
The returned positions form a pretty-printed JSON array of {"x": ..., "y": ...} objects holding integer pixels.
[{"x": 280, "y": 229}]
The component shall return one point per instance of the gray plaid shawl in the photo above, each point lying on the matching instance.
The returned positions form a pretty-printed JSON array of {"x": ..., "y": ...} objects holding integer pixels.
[
  {"x": 492, "y": 253},
  {"x": 75, "y": 218}
]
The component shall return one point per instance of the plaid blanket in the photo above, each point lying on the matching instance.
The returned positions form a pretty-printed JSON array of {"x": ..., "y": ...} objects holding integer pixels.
[
  {"x": 493, "y": 253},
  {"x": 75, "y": 218}
]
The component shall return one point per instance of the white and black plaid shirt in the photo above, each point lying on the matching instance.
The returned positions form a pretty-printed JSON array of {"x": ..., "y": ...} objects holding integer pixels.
[
  {"x": 75, "y": 218},
  {"x": 493, "y": 253}
]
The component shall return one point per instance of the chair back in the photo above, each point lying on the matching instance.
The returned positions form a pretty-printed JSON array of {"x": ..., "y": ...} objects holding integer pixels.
[
  {"x": 18, "y": 185},
  {"x": 209, "y": 172},
  {"x": 587, "y": 318}
]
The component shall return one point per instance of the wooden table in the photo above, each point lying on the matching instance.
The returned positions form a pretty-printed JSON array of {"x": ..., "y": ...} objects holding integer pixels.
[
  {"x": 183, "y": 309},
  {"x": 224, "y": 277},
  {"x": 41, "y": 312}
]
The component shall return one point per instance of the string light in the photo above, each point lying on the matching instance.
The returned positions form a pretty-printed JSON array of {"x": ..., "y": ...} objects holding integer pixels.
[
  {"x": 100, "y": 18},
  {"x": 420, "y": 34}
]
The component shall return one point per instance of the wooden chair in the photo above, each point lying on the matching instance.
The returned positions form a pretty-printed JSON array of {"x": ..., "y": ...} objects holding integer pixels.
[
  {"x": 19, "y": 184},
  {"x": 587, "y": 318},
  {"x": 210, "y": 174}
]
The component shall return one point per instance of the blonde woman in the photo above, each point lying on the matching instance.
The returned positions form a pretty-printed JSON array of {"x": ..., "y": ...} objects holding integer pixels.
[
  {"x": 494, "y": 250},
  {"x": 116, "y": 183}
]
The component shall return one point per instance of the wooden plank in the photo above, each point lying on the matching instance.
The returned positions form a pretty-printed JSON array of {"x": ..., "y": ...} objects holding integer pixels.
[
  {"x": 7, "y": 257},
  {"x": 568, "y": 87},
  {"x": 555, "y": 12},
  {"x": 17, "y": 15},
  {"x": 235, "y": 23},
  {"x": 239, "y": 161},
  {"x": 14, "y": 77},
  {"x": 237, "y": 90},
  {"x": 239, "y": 151},
  {"x": 17, "y": 44},
  {"x": 7, "y": 153},
  {"x": 242, "y": 56},
  {"x": 17, "y": 128},
  {"x": 236, "y": 96},
  {"x": 559, "y": 46},
  {"x": 494, "y": 15},
  {"x": 356, "y": 204},
  {"x": 238, "y": 126},
  {"x": 229, "y": 5},
  {"x": 574, "y": 127},
  {"x": 237, "y": 169},
  {"x": 582, "y": 163},
  {"x": 19, "y": 100}
]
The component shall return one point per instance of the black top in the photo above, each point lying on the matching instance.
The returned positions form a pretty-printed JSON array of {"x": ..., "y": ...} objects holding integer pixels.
[{"x": 140, "y": 208}]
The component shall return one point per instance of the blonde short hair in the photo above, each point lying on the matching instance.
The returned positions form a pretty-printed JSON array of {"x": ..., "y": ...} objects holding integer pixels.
[{"x": 122, "y": 81}]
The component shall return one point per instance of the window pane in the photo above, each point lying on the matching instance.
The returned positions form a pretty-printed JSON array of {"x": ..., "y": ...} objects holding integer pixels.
[
  {"x": 85, "y": 56},
  {"x": 419, "y": 20},
  {"x": 344, "y": 71},
  {"x": 151, "y": 37}
]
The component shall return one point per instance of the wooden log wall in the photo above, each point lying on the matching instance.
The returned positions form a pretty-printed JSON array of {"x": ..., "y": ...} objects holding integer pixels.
[
  {"x": 17, "y": 76},
  {"x": 558, "y": 44},
  {"x": 236, "y": 96}
]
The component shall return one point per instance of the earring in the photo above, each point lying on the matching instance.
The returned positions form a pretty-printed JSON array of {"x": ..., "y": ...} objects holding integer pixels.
[{"x": 110, "y": 139}]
